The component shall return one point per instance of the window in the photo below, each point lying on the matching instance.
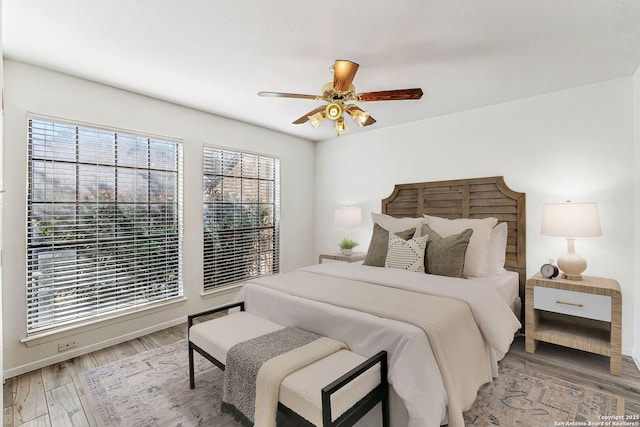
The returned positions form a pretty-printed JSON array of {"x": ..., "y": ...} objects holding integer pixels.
[
  {"x": 241, "y": 204},
  {"x": 104, "y": 229}
]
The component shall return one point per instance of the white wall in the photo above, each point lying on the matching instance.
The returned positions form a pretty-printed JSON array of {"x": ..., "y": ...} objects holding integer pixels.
[
  {"x": 32, "y": 89},
  {"x": 636, "y": 139},
  {"x": 1, "y": 197},
  {"x": 575, "y": 144}
]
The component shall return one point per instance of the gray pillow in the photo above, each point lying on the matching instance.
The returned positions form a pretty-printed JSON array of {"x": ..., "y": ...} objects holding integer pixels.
[
  {"x": 445, "y": 256},
  {"x": 379, "y": 245}
]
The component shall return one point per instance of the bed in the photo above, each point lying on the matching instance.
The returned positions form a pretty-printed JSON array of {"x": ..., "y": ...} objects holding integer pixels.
[{"x": 436, "y": 365}]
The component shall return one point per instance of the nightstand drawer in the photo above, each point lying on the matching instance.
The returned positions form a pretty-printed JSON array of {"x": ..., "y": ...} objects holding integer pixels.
[{"x": 580, "y": 304}]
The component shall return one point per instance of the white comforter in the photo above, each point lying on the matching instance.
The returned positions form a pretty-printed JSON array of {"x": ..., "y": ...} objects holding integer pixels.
[{"x": 413, "y": 371}]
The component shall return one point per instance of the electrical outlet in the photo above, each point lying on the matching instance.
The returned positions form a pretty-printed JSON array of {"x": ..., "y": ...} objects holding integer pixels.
[{"x": 63, "y": 346}]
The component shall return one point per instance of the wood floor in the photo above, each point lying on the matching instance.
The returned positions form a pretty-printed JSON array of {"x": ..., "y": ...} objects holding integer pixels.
[{"x": 53, "y": 397}]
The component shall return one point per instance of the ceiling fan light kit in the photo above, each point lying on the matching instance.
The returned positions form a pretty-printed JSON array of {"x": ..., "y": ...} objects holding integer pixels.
[
  {"x": 341, "y": 91},
  {"x": 360, "y": 117},
  {"x": 333, "y": 111},
  {"x": 316, "y": 119},
  {"x": 341, "y": 126}
]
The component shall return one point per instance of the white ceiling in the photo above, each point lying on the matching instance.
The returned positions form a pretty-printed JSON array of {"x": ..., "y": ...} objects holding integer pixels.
[{"x": 215, "y": 55}]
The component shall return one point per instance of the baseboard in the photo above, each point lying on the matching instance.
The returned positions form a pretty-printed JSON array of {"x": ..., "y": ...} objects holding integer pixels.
[
  {"x": 627, "y": 351},
  {"x": 23, "y": 369},
  {"x": 634, "y": 353}
]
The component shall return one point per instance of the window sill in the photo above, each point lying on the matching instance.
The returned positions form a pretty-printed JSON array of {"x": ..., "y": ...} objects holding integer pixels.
[
  {"x": 222, "y": 290},
  {"x": 98, "y": 322}
]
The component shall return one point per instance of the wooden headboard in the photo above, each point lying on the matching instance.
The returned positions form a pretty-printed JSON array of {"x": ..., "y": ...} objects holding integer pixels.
[{"x": 468, "y": 198}]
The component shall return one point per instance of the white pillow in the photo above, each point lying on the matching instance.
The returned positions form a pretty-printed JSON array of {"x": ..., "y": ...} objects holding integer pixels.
[
  {"x": 475, "y": 260},
  {"x": 393, "y": 224},
  {"x": 406, "y": 254},
  {"x": 497, "y": 248}
]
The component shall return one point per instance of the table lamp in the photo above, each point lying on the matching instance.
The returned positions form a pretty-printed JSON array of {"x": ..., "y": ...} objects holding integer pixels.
[{"x": 571, "y": 220}]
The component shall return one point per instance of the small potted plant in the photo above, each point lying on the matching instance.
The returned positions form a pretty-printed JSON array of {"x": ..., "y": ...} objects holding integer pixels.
[{"x": 347, "y": 246}]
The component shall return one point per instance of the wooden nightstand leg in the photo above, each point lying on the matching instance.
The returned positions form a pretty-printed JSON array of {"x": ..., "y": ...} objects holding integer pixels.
[
  {"x": 530, "y": 345},
  {"x": 615, "y": 352},
  {"x": 616, "y": 364}
]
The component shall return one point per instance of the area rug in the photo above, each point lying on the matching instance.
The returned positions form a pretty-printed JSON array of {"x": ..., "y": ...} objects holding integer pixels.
[
  {"x": 152, "y": 389},
  {"x": 524, "y": 397}
]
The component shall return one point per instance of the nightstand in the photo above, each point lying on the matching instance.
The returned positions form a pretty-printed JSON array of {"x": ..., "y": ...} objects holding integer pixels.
[
  {"x": 585, "y": 315},
  {"x": 339, "y": 256}
]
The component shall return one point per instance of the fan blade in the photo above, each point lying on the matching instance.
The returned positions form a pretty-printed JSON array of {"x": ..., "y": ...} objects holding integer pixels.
[
  {"x": 305, "y": 118},
  {"x": 343, "y": 74},
  {"x": 352, "y": 108},
  {"x": 390, "y": 95},
  {"x": 288, "y": 95}
]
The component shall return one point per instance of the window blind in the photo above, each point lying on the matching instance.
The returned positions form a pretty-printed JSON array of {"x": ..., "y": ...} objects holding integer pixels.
[
  {"x": 241, "y": 204},
  {"x": 104, "y": 228}
]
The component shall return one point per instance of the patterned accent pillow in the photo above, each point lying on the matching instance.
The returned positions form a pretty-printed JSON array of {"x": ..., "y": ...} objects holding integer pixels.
[{"x": 406, "y": 254}]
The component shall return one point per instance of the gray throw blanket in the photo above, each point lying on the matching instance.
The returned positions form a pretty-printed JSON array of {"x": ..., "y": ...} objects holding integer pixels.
[{"x": 243, "y": 363}]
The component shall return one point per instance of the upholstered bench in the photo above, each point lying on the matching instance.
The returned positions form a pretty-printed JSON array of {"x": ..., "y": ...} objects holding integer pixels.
[{"x": 336, "y": 390}]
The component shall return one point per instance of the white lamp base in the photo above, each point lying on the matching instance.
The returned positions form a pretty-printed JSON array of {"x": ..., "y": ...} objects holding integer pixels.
[{"x": 571, "y": 264}]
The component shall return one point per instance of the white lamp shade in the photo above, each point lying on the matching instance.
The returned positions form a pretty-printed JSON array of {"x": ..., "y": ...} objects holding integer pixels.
[
  {"x": 571, "y": 219},
  {"x": 348, "y": 217}
]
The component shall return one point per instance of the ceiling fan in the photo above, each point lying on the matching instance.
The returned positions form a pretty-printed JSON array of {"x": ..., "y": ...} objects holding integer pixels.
[{"x": 341, "y": 91}]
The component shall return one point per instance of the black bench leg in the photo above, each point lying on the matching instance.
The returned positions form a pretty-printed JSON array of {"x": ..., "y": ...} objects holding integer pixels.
[
  {"x": 385, "y": 411},
  {"x": 192, "y": 380}
]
